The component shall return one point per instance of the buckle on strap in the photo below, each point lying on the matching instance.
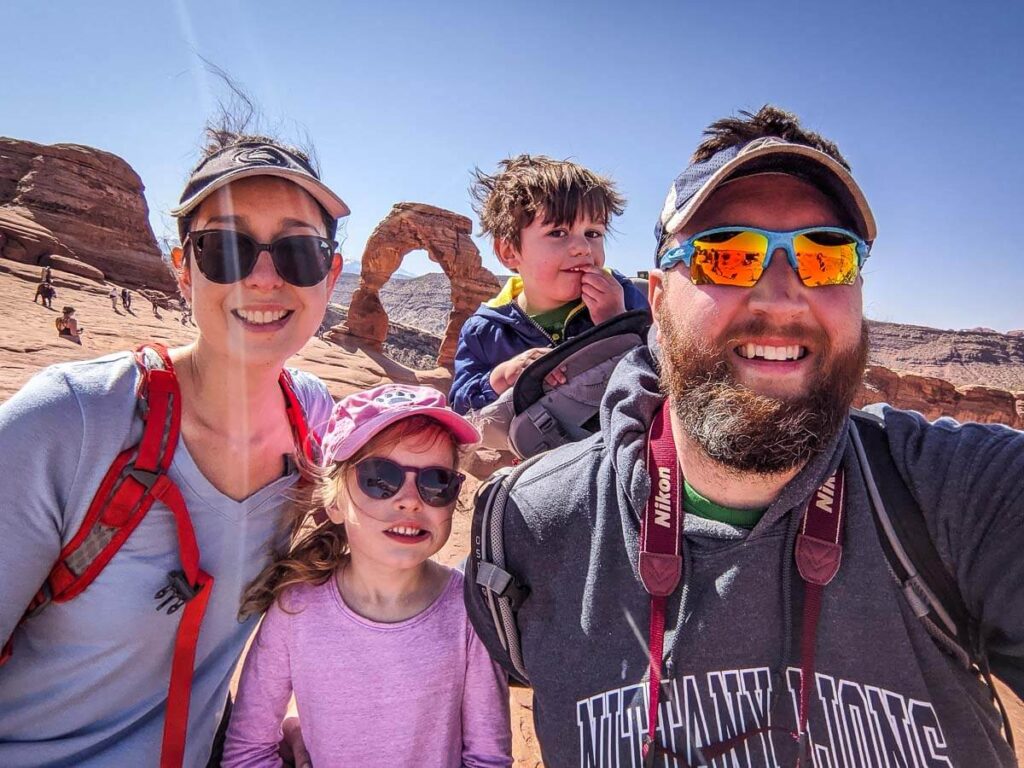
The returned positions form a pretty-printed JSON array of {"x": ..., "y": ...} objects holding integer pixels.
[
  {"x": 501, "y": 583},
  {"x": 175, "y": 593}
]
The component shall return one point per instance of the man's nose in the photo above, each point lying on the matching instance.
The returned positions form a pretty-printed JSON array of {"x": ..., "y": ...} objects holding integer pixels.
[{"x": 779, "y": 290}]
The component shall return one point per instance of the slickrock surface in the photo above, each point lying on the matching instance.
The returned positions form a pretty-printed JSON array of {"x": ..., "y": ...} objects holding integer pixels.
[
  {"x": 446, "y": 237},
  {"x": 90, "y": 201}
]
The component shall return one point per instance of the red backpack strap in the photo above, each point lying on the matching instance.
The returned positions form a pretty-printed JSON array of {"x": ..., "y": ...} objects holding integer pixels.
[
  {"x": 306, "y": 440},
  {"x": 136, "y": 479}
]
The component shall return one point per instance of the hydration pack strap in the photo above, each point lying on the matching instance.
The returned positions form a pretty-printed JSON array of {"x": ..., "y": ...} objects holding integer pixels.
[{"x": 818, "y": 554}]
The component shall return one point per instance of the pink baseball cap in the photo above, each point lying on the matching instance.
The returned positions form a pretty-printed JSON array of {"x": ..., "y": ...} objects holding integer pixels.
[{"x": 360, "y": 416}]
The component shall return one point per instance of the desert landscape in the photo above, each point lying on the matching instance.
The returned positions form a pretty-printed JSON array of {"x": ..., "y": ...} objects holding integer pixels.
[{"x": 83, "y": 212}]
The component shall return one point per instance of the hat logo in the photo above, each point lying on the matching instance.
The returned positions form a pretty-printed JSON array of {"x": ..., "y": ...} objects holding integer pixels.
[
  {"x": 263, "y": 156},
  {"x": 395, "y": 397}
]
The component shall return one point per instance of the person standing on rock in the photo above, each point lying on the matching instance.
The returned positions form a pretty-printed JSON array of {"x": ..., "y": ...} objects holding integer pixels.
[
  {"x": 705, "y": 581},
  {"x": 126, "y": 299},
  {"x": 113, "y": 296},
  {"x": 87, "y": 679}
]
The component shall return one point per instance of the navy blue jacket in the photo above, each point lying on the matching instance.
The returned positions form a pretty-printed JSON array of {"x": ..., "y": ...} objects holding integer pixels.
[{"x": 499, "y": 330}]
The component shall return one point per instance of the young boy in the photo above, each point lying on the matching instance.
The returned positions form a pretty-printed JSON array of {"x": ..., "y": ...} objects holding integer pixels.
[{"x": 548, "y": 219}]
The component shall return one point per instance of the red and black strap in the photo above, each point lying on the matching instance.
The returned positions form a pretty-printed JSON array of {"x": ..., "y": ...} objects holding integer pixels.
[{"x": 818, "y": 554}]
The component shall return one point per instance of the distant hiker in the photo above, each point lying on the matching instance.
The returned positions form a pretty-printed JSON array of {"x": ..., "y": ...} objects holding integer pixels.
[
  {"x": 67, "y": 325},
  {"x": 129, "y": 690},
  {"x": 713, "y": 579},
  {"x": 548, "y": 219},
  {"x": 126, "y": 299},
  {"x": 357, "y": 607},
  {"x": 152, "y": 303},
  {"x": 113, "y": 295},
  {"x": 46, "y": 292},
  {"x": 47, "y": 275}
]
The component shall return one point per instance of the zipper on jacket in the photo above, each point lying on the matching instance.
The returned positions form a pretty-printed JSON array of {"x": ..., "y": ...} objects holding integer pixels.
[{"x": 535, "y": 324}]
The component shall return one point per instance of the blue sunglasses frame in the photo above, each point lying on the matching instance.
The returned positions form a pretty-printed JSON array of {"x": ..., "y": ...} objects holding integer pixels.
[{"x": 683, "y": 253}]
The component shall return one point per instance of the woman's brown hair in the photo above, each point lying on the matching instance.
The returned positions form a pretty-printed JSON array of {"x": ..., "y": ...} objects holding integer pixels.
[{"x": 317, "y": 546}]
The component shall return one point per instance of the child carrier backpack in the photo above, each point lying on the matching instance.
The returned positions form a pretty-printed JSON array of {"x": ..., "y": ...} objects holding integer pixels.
[
  {"x": 925, "y": 582},
  {"x": 136, "y": 479},
  {"x": 532, "y": 417}
]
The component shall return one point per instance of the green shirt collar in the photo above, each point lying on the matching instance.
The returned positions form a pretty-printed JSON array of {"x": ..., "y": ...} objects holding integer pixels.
[{"x": 695, "y": 504}]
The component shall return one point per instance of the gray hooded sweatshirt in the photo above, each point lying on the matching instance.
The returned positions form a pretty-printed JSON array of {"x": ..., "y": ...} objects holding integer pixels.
[{"x": 884, "y": 693}]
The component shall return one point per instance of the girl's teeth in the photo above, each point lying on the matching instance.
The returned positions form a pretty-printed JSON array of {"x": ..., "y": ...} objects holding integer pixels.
[{"x": 403, "y": 531}]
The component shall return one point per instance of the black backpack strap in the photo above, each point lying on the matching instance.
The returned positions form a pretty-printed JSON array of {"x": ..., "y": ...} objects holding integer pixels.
[
  {"x": 503, "y": 593},
  {"x": 927, "y": 583}
]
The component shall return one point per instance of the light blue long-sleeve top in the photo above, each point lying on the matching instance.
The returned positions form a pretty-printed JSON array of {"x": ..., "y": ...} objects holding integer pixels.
[{"x": 87, "y": 684}]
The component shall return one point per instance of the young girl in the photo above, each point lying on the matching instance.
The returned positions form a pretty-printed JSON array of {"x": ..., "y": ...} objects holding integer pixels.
[{"x": 365, "y": 629}]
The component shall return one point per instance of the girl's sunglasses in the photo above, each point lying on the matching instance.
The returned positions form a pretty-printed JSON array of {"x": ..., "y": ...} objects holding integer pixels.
[
  {"x": 739, "y": 255},
  {"x": 225, "y": 256},
  {"x": 383, "y": 478}
]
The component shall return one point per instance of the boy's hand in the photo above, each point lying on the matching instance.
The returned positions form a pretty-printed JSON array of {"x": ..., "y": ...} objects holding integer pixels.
[
  {"x": 602, "y": 294},
  {"x": 506, "y": 374}
]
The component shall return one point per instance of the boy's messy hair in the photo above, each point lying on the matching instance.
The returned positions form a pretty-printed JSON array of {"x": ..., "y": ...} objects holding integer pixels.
[
  {"x": 317, "y": 546},
  {"x": 509, "y": 200}
]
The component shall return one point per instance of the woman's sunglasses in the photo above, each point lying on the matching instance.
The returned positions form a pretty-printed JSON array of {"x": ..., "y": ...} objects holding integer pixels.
[
  {"x": 383, "y": 478},
  {"x": 225, "y": 256},
  {"x": 739, "y": 255}
]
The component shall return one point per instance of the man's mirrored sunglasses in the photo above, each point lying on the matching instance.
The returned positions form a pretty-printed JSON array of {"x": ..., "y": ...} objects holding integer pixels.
[
  {"x": 225, "y": 256},
  {"x": 738, "y": 256}
]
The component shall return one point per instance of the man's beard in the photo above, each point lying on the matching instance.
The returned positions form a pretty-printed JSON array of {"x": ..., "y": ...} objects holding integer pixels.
[{"x": 750, "y": 432}]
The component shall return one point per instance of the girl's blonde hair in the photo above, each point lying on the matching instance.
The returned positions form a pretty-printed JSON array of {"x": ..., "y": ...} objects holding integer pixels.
[{"x": 317, "y": 546}]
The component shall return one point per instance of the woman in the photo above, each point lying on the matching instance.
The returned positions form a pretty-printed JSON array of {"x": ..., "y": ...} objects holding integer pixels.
[
  {"x": 87, "y": 682},
  {"x": 67, "y": 325}
]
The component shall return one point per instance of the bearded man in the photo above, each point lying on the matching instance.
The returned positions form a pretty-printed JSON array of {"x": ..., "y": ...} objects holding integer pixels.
[{"x": 703, "y": 580}]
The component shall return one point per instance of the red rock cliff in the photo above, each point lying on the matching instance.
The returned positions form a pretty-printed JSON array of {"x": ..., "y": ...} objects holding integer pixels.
[{"x": 91, "y": 201}]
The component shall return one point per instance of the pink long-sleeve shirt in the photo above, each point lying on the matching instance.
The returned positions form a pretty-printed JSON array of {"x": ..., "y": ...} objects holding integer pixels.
[{"x": 421, "y": 692}]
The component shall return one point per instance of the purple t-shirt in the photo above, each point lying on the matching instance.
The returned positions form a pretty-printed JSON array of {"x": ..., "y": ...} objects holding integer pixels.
[{"x": 418, "y": 692}]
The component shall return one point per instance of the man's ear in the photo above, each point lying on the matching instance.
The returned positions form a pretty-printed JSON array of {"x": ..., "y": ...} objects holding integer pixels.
[
  {"x": 656, "y": 295},
  {"x": 507, "y": 254}
]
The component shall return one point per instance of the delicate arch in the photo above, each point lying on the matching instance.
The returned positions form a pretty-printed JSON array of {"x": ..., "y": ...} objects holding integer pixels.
[{"x": 445, "y": 236}]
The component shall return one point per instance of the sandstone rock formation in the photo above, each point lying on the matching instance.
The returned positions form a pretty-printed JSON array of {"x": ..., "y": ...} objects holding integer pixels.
[
  {"x": 975, "y": 356},
  {"x": 446, "y": 238},
  {"x": 935, "y": 397},
  {"x": 84, "y": 203},
  {"x": 23, "y": 239}
]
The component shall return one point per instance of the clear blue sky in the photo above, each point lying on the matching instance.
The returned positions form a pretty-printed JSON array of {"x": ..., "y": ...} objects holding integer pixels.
[{"x": 402, "y": 99}]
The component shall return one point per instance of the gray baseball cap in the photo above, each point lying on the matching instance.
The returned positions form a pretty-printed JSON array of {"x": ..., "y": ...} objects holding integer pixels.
[
  {"x": 246, "y": 159},
  {"x": 769, "y": 154}
]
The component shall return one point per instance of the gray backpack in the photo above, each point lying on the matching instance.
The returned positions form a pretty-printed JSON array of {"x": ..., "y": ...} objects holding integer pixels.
[{"x": 532, "y": 418}]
